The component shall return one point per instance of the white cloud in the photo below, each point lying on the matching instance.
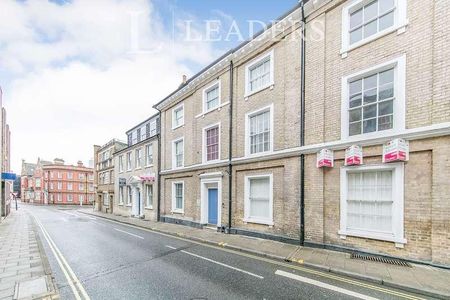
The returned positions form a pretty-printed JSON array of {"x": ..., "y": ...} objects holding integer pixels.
[{"x": 73, "y": 79}]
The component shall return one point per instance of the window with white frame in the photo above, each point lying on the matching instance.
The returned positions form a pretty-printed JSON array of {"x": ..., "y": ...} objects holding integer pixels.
[
  {"x": 60, "y": 176},
  {"x": 58, "y": 197},
  {"x": 121, "y": 163},
  {"x": 81, "y": 187},
  {"x": 366, "y": 20},
  {"x": 259, "y": 74},
  {"x": 373, "y": 101},
  {"x": 51, "y": 186},
  {"x": 81, "y": 198},
  {"x": 129, "y": 195},
  {"x": 121, "y": 195},
  {"x": 153, "y": 128},
  {"x": 59, "y": 185},
  {"x": 372, "y": 202},
  {"x": 211, "y": 97},
  {"x": 70, "y": 175},
  {"x": 149, "y": 196},
  {"x": 259, "y": 199},
  {"x": 178, "y": 197},
  {"x": 91, "y": 198},
  {"x": 69, "y": 186},
  {"x": 38, "y": 182},
  {"x": 212, "y": 143},
  {"x": 51, "y": 174},
  {"x": 178, "y": 153},
  {"x": 178, "y": 116},
  {"x": 259, "y": 131},
  {"x": 149, "y": 154},
  {"x": 80, "y": 176},
  {"x": 69, "y": 197},
  {"x": 129, "y": 161},
  {"x": 138, "y": 158}
]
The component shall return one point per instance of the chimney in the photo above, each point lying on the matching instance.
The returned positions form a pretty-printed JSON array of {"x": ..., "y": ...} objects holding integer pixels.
[
  {"x": 80, "y": 163},
  {"x": 183, "y": 81}
]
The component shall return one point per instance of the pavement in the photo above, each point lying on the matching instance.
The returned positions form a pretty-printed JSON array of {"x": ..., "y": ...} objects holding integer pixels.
[
  {"x": 24, "y": 269},
  {"x": 421, "y": 279},
  {"x": 98, "y": 258}
]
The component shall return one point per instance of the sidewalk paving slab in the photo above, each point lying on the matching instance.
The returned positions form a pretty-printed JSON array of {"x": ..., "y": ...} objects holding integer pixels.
[
  {"x": 25, "y": 272},
  {"x": 421, "y": 279}
]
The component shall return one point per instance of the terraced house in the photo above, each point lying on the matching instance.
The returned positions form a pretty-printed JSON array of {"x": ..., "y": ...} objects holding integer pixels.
[
  {"x": 104, "y": 174},
  {"x": 240, "y": 141},
  {"x": 136, "y": 172}
]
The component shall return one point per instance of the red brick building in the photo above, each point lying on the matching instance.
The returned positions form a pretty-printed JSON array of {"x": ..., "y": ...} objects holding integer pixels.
[{"x": 57, "y": 183}]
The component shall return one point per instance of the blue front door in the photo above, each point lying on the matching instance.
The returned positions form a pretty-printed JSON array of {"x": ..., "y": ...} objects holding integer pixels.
[{"x": 212, "y": 206}]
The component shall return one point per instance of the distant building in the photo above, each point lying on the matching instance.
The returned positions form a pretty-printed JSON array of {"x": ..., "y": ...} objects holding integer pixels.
[
  {"x": 57, "y": 183},
  {"x": 104, "y": 174},
  {"x": 5, "y": 162},
  {"x": 136, "y": 172}
]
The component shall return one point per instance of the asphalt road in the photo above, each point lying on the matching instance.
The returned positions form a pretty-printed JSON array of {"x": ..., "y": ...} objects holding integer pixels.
[{"x": 93, "y": 258}]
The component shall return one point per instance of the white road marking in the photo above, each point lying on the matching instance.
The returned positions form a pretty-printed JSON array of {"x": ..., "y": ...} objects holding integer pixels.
[
  {"x": 68, "y": 213},
  {"x": 218, "y": 263},
  {"x": 72, "y": 279},
  {"x": 132, "y": 234},
  {"x": 323, "y": 285}
]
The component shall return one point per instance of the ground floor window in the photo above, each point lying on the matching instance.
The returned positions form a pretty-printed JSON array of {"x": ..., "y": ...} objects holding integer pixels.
[
  {"x": 121, "y": 195},
  {"x": 178, "y": 197},
  {"x": 105, "y": 200},
  {"x": 59, "y": 197},
  {"x": 81, "y": 197},
  {"x": 259, "y": 199},
  {"x": 130, "y": 195},
  {"x": 69, "y": 198},
  {"x": 372, "y": 202},
  {"x": 149, "y": 196}
]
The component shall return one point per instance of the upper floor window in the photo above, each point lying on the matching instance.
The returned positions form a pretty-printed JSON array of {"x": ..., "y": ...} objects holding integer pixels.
[
  {"x": 60, "y": 175},
  {"x": 211, "y": 97},
  {"x": 121, "y": 163},
  {"x": 130, "y": 139},
  {"x": 80, "y": 176},
  {"x": 152, "y": 126},
  {"x": 69, "y": 186},
  {"x": 128, "y": 161},
  {"x": 59, "y": 185},
  {"x": 70, "y": 175},
  {"x": 38, "y": 182},
  {"x": 149, "y": 154},
  {"x": 178, "y": 116},
  {"x": 374, "y": 100},
  {"x": 211, "y": 143},
  {"x": 138, "y": 158},
  {"x": 259, "y": 126},
  {"x": 367, "y": 20},
  {"x": 138, "y": 135},
  {"x": 51, "y": 174},
  {"x": 259, "y": 74},
  {"x": 178, "y": 153}
]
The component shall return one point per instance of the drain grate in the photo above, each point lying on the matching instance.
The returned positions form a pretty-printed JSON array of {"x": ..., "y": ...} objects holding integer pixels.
[{"x": 381, "y": 259}]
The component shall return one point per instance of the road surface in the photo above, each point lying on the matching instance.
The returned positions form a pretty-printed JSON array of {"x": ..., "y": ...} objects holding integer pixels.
[{"x": 94, "y": 258}]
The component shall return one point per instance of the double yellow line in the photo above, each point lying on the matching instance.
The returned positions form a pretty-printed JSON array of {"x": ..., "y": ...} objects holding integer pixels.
[{"x": 77, "y": 288}]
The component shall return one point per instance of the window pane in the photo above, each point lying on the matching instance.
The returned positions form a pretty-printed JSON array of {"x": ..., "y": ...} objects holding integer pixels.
[
  {"x": 370, "y": 111},
  {"x": 386, "y": 21},
  {"x": 369, "y": 125},
  {"x": 370, "y": 82},
  {"x": 386, "y": 5},
  {"x": 355, "y": 128},
  {"x": 385, "y": 122},
  {"x": 355, "y": 115},
  {"x": 356, "y": 35},
  {"x": 370, "y": 96},
  {"x": 370, "y": 28},
  {"x": 356, "y": 18},
  {"x": 370, "y": 11},
  {"x": 386, "y": 108}
]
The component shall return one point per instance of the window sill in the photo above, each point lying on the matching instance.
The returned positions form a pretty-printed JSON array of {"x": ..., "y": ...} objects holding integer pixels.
[
  {"x": 204, "y": 113},
  {"x": 372, "y": 135},
  {"x": 399, "y": 242},
  {"x": 259, "y": 154},
  {"x": 149, "y": 166},
  {"x": 120, "y": 204},
  {"x": 400, "y": 28},
  {"x": 149, "y": 207},
  {"x": 258, "y": 221},
  {"x": 178, "y": 211},
  {"x": 269, "y": 86},
  {"x": 129, "y": 205},
  {"x": 176, "y": 127}
]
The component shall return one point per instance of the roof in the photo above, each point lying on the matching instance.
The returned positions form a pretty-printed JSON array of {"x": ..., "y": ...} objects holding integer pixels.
[
  {"x": 231, "y": 51},
  {"x": 143, "y": 122},
  {"x": 28, "y": 169}
]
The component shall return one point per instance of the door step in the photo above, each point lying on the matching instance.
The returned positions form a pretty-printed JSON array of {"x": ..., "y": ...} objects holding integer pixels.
[{"x": 210, "y": 227}]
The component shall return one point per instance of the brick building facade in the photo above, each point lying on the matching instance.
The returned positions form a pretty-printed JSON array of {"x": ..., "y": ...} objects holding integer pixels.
[
  {"x": 58, "y": 184},
  {"x": 6, "y": 187},
  {"x": 375, "y": 71}
]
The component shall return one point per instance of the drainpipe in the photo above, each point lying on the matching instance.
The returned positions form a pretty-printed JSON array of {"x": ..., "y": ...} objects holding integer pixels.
[
  {"x": 302, "y": 128},
  {"x": 158, "y": 177},
  {"x": 230, "y": 149}
]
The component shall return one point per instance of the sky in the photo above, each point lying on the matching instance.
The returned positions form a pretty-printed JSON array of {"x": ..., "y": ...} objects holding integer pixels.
[{"x": 75, "y": 73}]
